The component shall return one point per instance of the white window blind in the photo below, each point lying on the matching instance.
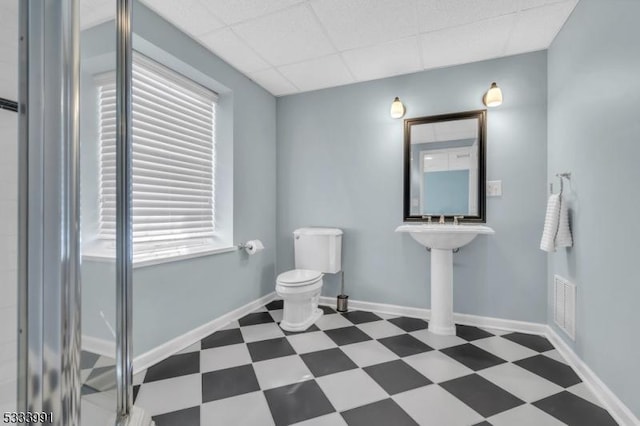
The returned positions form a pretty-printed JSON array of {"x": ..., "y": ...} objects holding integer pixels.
[{"x": 173, "y": 161}]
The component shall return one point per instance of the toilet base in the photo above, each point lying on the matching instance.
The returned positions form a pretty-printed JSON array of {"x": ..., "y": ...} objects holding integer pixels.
[{"x": 302, "y": 326}]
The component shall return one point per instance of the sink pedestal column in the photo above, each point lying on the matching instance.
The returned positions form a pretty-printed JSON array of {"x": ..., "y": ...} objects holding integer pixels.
[{"x": 441, "y": 321}]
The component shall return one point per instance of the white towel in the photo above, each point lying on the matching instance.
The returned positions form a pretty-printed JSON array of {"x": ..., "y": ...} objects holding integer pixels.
[{"x": 556, "y": 231}]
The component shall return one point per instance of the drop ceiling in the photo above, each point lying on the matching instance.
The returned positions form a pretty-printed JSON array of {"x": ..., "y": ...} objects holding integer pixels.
[{"x": 292, "y": 46}]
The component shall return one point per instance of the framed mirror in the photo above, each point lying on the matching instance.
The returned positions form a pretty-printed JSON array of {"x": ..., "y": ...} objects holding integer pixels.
[{"x": 444, "y": 167}]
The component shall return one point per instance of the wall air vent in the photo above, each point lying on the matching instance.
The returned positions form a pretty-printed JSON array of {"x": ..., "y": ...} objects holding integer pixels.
[{"x": 564, "y": 302}]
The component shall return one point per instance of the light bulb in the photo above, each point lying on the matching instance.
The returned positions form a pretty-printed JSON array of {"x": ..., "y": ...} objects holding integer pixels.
[
  {"x": 493, "y": 97},
  {"x": 397, "y": 108}
]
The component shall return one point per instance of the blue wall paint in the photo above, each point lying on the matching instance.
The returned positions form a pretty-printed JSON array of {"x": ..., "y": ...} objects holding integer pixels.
[
  {"x": 594, "y": 128},
  {"x": 173, "y": 298},
  {"x": 446, "y": 193},
  {"x": 340, "y": 164}
]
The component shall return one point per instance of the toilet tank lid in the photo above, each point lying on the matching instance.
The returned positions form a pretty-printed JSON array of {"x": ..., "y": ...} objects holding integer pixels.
[{"x": 318, "y": 231}]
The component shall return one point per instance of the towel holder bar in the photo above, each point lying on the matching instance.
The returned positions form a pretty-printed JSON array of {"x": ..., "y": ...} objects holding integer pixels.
[{"x": 562, "y": 176}]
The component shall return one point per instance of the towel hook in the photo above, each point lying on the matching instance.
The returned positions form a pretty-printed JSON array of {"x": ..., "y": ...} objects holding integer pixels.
[{"x": 562, "y": 176}]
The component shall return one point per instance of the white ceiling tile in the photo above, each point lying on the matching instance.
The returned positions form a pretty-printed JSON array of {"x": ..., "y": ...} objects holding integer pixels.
[
  {"x": 226, "y": 44},
  {"x": 235, "y": 11},
  {"x": 318, "y": 73},
  {"x": 468, "y": 43},
  {"x": 94, "y": 12},
  {"x": 530, "y": 4},
  {"x": 536, "y": 28},
  {"x": 274, "y": 82},
  {"x": 384, "y": 60},
  {"x": 188, "y": 15},
  {"x": 438, "y": 14},
  {"x": 359, "y": 23},
  {"x": 291, "y": 35}
]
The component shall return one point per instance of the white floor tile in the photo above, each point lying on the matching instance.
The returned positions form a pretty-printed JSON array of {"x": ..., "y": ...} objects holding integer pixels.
[
  {"x": 583, "y": 391},
  {"x": 380, "y": 329},
  {"x": 437, "y": 341},
  {"x": 554, "y": 354},
  {"x": 437, "y": 366},
  {"x": 496, "y": 331},
  {"x": 191, "y": 348},
  {"x": 368, "y": 353},
  {"x": 253, "y": 333},
  {"x": 250, "y": 409},
  {"x": 139, "y": 378},
  {"x": 385, "y": 316},
  {"x": 282, "y": 371},
  {"x": 169, "y": 395},
  {"x": 224, "y": 357},
  {"x": 276, "y": 315},
  {"x": 232, "y": 324},
  {"x": 525, "y": 385},
  {"x": 310, "y": 342},
  {"x": 351, "y": 389},
  {"x": 327, "y": 322},
  {"x": 524, "y": 415},
  {"x": 432, "y": 405},
  {"x": 504, "y": 348},
  {"x": 333, "y": 419}
]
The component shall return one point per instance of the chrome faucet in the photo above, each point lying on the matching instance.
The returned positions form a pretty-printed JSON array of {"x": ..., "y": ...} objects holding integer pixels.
[
  {"x": 428, "y": 217},
  {"x": 455, "y": 219},
  {"x": 441, "y": 221}
]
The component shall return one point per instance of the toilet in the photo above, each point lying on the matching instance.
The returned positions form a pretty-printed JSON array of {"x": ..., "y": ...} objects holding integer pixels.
[{"x": 317, "y": 251}]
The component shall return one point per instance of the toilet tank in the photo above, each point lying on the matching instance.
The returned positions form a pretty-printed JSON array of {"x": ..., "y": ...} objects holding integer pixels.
[{"x": 318, "y": 249}]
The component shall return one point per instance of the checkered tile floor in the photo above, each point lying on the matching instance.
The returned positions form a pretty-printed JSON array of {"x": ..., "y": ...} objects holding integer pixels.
[{"x": 362, "y": 368}]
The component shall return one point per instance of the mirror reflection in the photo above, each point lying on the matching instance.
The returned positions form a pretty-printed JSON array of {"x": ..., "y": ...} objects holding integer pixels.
[{"x": 445, "y": 167}]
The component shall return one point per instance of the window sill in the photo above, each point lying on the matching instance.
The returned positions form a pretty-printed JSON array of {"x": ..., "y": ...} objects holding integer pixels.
[{"x": 108, "y": 257}]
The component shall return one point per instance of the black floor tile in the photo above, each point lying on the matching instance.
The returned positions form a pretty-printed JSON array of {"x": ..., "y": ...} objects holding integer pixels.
[
  {"x": 396, "y": 376},
  {"x": 531, "y": 341},
  {"x": 552, "y": 370},
  {"x": 222, "y": 338},
  {"x": 470, "y": 333},
  {"x": 485, "y": 423},
  {"x": 87, "y": 390},
  {"x": 313, "y": 327},
  {"x": 405, "y": 345},
  {"x": 174, "y": 366},
  {"x": 472, "y": 356},
  {"x": 186, "y": 417},
  {"x": 360, "y": 317},
  {"x": 327, "y": 310},
  {"x": 409, "y": 324},
  {"x": 255, "y": 318},
  {"x": 347, "y": 335},
  {"x": 268, "y": 349},
  {"x": 481, "y": 395},
  {"x": 297, "y": 402},
  {"x": 381, "y": 413},
  {"x": 136, "y": 389},
  {"x": 275, "y": 305},
  {"x": 88, "y": 360},
  {"x": 574, "y": 411},
  {"x": 328, "y": 361},
  {"x": 229, "y": 382}
]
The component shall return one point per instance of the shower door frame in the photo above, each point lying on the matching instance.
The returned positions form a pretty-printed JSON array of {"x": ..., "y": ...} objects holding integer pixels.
[{"x": 49, "y": 290}]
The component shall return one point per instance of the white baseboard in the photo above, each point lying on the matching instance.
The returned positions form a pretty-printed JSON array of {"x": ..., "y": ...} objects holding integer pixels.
[
  {"x": 99, "y": 346},
  {"x": 466, "y": 319},
  {"x": 618, "y": 410},
  {"x": 143, "y": 361},
  {"x": 165, "y": 350}
]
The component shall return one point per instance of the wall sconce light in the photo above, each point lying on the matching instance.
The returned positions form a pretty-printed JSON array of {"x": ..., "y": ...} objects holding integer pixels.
[
  {"x": 397, "y": 108},
  {"x": 493, "y": 97}
]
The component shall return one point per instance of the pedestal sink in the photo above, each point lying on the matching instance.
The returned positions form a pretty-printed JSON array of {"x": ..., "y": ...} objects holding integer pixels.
[{"x": 442, "y": 239}]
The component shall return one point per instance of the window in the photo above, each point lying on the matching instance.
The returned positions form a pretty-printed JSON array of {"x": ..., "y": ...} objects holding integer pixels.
[{"x": 174, "y": 155}]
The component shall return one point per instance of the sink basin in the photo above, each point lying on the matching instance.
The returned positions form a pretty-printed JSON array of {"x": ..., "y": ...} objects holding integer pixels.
[
  {"x": 441, "y": 240},
  {"x": 444, "y": 236}
]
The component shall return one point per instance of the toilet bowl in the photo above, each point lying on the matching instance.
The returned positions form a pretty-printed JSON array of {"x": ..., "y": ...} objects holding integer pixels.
[{"x": 300, "y": 292}]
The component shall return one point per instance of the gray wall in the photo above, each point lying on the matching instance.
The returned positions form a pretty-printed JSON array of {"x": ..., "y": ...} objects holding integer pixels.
[
  {"x": 173, "y": 298},
  {"x": 340, "y": 164},
  {"x": 594, "y": 128}
]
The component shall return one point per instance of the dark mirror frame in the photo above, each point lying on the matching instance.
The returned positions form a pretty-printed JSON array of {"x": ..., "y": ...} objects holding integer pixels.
[{"x": 481, "y": 115}]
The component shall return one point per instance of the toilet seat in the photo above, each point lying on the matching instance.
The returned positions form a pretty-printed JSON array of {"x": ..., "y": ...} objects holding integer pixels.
[{"x": 298, "y": 277}]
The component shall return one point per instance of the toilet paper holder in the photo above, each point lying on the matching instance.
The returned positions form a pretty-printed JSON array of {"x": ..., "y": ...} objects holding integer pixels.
[{"x": 251, "y": 246}]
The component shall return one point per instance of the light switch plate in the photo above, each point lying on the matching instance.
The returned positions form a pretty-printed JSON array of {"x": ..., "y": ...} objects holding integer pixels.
[{"x": 494, "y": 188}]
